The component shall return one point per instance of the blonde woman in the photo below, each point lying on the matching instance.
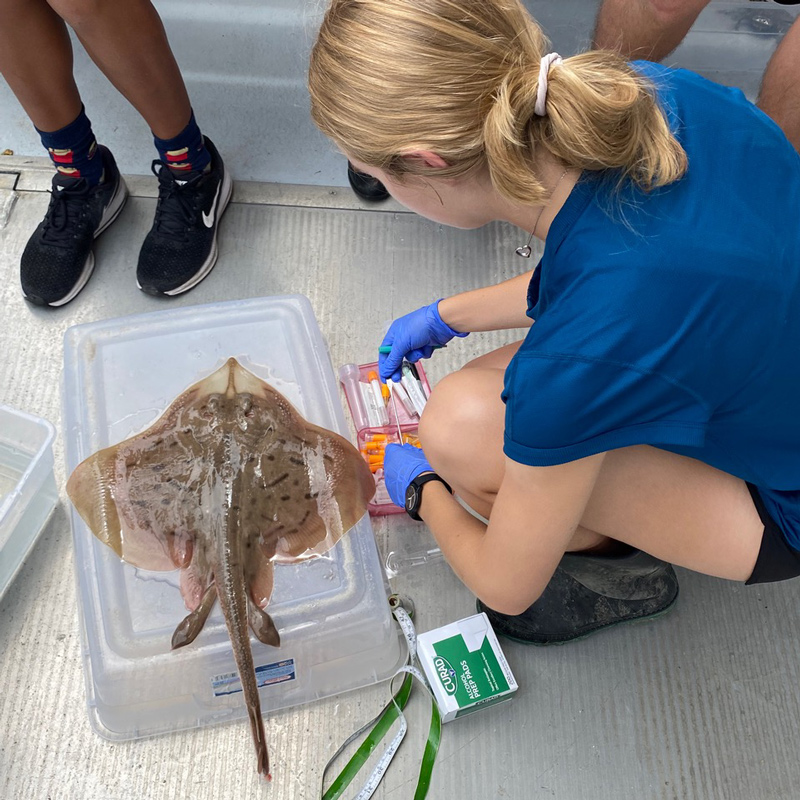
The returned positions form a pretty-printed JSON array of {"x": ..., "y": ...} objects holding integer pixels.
[{"x": 650, "y": 416}]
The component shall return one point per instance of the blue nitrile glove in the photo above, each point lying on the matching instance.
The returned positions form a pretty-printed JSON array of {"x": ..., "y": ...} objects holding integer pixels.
[
  {"x": 413, "y": 337},
  {"x": 401, "y": 464}
]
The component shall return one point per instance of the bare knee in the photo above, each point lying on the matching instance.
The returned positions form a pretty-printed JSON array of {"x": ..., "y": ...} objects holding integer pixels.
[
  {"x": 448, "y": 410},
  {"x": 462, "y": 420},
  {"x": 77, "y": 12},
  {"x": 668, "y": 11},
  {"x": 495, "y": 359}
]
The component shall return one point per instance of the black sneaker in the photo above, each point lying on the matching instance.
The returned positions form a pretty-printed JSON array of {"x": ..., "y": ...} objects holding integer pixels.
[
  {"x": 589, "y": 592},
  {"x": 365, "y": 186},
  {"x": 58, "y": 260},
  {"x": 181, "y": 248}
]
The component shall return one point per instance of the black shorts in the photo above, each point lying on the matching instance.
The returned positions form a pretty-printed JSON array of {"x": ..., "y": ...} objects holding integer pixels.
[{"x": 777, "y": 560}]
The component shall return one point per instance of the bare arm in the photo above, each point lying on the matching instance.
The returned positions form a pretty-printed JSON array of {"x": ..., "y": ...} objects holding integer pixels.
[
  {"x": 493, "y": 308},
  {"x": 649, "y": 29},
  {"x": 509, "y": 562}
]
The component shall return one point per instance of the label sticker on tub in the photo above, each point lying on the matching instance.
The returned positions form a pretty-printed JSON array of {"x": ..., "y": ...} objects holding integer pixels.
[{"x": 266, "y": 675}]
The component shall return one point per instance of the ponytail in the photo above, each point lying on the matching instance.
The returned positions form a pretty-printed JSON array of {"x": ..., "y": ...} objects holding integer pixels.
[
  {"x": 460, "y": 78},
  {"x": 602, "y": 114}
]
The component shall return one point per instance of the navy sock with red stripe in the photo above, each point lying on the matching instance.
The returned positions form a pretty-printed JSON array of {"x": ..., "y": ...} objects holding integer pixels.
[
  {"x": 185, "y": 152},
  {"x": 73, "y": 150}
]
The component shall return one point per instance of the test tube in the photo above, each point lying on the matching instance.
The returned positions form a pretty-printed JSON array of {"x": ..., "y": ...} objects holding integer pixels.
[
  {"x": 412, "y": 386},
  {"x": 415, "y": 372},
  {"x": 350, "y": 376},
  {"x": 377, "y": 395},
  {"x": 368, "y": 399},
  {"x": 401, "y": 394}
]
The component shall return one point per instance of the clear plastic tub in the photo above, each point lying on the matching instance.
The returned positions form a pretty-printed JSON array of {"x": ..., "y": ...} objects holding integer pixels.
[
  {"x": 332, "y": 612},
  {"x": 28, "y": 491}
]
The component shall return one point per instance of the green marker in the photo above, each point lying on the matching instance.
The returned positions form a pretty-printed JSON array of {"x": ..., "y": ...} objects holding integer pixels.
[{"x": 385, "y": 349}]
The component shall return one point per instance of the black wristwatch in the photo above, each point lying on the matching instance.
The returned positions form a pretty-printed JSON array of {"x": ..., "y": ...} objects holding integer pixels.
[{"x": 414, "y": 493}]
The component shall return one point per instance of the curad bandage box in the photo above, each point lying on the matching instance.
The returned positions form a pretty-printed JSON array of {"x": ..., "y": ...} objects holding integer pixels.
[{"x": 465, "y": 667}]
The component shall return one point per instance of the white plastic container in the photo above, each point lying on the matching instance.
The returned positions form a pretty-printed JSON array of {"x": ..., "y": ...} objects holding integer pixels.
[
  {"x": 336, "y": 628},
  {"x": 28, "y": 491}
]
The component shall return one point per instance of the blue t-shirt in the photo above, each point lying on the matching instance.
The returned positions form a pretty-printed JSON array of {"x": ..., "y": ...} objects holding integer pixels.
[{"x": 673, "y": 318}]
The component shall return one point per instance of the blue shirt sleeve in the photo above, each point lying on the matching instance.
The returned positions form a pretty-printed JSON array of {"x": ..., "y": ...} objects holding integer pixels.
[{"x": 560, "y": 408}]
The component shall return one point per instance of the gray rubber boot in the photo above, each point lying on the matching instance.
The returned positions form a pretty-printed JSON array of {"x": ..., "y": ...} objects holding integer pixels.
[{"x": 588, "y": 593}]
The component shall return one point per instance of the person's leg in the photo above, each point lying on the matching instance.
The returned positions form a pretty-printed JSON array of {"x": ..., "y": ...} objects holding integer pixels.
[
  {"x": 652, "y": 29},
  {"x": 672, "y": 507},
  {"x": 599, "y": 582},
  {"x": 647, "y": 505},
  {"x": 128, "y": 43},
  {"x": 780, "y": 96},
  {"x": 36, "y": 62},
  {"x": 648, "y": 29}
]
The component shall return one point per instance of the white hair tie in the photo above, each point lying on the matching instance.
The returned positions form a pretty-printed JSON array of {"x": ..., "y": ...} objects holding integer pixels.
[{"x": 541, "y": 92}]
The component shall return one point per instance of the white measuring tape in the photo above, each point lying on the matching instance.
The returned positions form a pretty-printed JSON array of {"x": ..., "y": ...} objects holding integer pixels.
[
  {"x": 368, "y": 789},
  {"x": 383, "y": 763}
]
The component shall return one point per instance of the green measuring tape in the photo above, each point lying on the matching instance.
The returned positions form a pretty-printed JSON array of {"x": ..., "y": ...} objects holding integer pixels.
[{"x": 381, "y": 725}]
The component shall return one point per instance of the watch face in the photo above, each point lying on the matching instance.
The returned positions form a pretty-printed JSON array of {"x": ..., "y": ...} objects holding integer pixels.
[{"x": 411, "y": 497}]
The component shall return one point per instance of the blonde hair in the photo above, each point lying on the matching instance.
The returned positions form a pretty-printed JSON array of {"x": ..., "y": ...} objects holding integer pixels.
[{"x": 459, "y": 78}]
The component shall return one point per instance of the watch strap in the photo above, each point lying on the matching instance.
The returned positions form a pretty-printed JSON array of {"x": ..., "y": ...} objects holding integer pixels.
[
  {"x": 418, "y": 483},
  {"x": 426, "y": 477}
]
